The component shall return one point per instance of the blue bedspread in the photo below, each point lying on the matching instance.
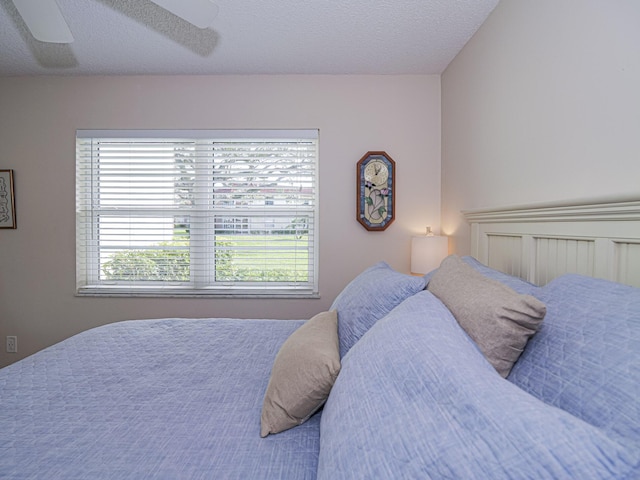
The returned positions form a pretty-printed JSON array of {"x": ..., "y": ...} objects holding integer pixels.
[
  {"x": 415, "y": 399},
  {"x": 168, "y": 398}
]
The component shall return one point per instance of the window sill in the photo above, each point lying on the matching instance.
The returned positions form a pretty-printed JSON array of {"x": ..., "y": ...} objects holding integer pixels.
[{"x": 185, "y": 292}]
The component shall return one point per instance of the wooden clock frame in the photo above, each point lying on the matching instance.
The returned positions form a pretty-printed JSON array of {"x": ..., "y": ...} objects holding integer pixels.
[{"x": 375, "y": 209}]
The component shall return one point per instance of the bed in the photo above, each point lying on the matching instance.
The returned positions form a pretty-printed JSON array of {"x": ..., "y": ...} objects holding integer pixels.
[{"x": 394, "y": 381}]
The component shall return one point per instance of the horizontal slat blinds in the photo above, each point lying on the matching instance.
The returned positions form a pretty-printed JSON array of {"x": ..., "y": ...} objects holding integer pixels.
[{"x": 207, "y": 213}]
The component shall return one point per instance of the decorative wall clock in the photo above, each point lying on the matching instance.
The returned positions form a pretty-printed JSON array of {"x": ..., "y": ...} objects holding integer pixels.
[{"x": 375, "y": 183}]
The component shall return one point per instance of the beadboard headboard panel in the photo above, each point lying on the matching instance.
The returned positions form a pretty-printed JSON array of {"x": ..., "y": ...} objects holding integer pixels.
[{"x": 538, "y": 243}]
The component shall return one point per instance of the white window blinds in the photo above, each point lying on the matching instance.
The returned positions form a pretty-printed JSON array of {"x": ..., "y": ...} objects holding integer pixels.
[{"x": 197, "y": 213}]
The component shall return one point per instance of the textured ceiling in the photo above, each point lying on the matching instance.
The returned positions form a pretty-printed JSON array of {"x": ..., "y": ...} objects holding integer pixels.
[{"x": 123, "y": 37}]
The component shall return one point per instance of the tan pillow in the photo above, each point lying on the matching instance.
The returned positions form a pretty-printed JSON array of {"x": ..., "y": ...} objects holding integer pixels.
[
  {"x": 498, "y": 319},
  {"x": 303, "y": 373}
]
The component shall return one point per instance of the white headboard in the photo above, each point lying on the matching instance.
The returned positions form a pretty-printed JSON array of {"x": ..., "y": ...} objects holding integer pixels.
[{"x": 538, "y": 243}]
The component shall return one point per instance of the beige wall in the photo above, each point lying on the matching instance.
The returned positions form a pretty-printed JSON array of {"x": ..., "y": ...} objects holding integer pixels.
[
  {"x": 543, "y": 104},
  {"x": 38, "y": 119}
]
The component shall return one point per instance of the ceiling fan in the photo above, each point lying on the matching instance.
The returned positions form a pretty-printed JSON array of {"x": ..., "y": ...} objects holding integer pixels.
[{"x": 46, "y": 23}]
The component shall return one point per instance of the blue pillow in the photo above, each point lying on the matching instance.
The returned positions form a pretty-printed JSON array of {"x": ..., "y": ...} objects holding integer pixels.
[
  {"x": 586, "y": 356},
  {"x": 416, "y": 399},
  {"x": 369, "y": 297}
]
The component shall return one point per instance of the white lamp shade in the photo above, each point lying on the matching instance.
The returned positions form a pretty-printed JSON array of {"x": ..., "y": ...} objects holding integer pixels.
[{"x": 427, "y": 252}]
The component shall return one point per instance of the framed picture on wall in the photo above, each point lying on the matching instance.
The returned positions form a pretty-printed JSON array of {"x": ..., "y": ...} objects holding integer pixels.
[
  {"x": 7, "y": 200},
  {"x": 375, "y": 185}
]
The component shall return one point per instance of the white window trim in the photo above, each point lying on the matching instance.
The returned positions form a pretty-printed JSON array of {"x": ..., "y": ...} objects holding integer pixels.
[{"x": 87, "y": 272}]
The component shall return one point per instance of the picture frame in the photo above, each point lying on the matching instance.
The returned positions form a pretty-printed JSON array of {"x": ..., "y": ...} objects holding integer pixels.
[
  {"x": 375, "y": 187},
  {"x": 7, "y": 200}
]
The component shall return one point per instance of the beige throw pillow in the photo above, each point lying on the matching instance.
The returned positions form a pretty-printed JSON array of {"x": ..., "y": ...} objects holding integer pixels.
[
  {"x": 498, "y": 319},
  {"x": 303, "y": 373}
]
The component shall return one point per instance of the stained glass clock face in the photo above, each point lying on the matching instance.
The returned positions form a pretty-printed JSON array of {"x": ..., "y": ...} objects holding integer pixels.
[
  {"x": 375, "y": 184},
  {"x": 376, "y": 172}
]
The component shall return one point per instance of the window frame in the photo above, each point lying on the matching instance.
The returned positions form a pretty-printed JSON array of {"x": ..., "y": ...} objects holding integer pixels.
[{"x": 88, "y": 261}]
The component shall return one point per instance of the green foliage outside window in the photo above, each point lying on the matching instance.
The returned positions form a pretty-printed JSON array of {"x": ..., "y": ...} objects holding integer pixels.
[
  {"x": 156, "y": 264},
  {"x": 170, "y": 262}
]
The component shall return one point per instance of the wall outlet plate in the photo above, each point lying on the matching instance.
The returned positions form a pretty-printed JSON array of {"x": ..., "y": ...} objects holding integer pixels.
[{"x": 12, "y": 344}]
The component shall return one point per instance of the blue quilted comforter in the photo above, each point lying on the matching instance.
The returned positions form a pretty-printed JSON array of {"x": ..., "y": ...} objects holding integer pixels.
[
  {"x": 415, "y": 398},
  {"x": 151, "y": 399}
]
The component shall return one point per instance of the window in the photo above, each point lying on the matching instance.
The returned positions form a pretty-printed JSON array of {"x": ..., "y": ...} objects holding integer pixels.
[{"x": 197, "y": 213}]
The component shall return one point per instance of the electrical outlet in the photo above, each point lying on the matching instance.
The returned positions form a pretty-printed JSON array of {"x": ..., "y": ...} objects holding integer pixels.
[{"x": 12, "y": 344}]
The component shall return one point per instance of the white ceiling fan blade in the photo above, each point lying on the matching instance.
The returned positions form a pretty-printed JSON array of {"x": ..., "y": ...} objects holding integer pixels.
[
  {"x": 44, "y": 20},
  {"x": 197, "y": 12}
]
